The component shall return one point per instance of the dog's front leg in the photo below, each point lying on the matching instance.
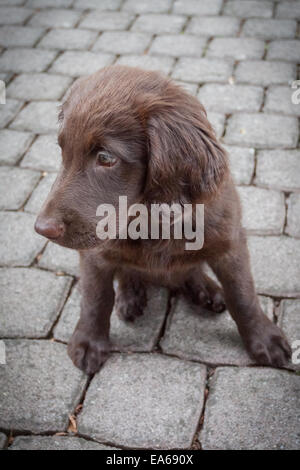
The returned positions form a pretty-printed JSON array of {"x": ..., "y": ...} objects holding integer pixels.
[
  {"x": 89, "y": 345},
  {"x": 264, "y": 341}
]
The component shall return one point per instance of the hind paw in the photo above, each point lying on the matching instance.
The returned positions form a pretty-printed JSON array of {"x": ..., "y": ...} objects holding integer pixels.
[{"x": 206, "y": 293}]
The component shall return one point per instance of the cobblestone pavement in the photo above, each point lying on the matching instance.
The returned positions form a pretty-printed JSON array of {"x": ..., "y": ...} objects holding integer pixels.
[{"x": 160, "y": 388}]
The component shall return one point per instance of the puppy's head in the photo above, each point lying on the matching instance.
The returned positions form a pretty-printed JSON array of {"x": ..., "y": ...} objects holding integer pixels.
[{"x": 127, "y": 132}]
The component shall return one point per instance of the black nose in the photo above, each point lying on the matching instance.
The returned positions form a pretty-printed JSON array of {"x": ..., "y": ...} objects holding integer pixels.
[{"x": 49, "y": 228}]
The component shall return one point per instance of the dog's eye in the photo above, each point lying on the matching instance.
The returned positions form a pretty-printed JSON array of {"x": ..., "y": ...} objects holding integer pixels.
[{"x": 104, "y": 158}]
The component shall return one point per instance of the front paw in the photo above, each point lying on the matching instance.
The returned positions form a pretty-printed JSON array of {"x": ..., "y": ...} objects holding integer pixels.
[
  {"x": 267, "y": 345},
  {"x": 87, "y": 352}
]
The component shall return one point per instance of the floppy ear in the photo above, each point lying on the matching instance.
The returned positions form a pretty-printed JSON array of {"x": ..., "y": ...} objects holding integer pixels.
[{"x": 185, "y": 160}]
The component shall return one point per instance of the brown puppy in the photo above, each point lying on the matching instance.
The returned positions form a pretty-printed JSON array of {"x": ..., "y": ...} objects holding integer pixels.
[{"x": 128, "y": 132}]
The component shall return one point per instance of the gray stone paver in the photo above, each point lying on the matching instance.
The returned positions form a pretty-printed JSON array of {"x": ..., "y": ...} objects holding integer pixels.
[
  {"x": 49, "y": 3},
  {"x": 231, "y": 98},
  {"x": 12, "y": 2},
  {"x": 213, "y": 25},
  {"x": 39, "y": 388},
  {"x": 252, "y": 408},
  {"x": 193, "y": 333},
  {"x": 26, "y": 60},
  {"x": 8, "y": 112},
  {"x": 147, "y": 6},
  {"x": 289, "y": 322},
  {"x": 278, "y": 169},
  {"x": 147, "y": 62},
  {"x": 141, "y": 335},
  {"x": 293, "y": 221},
  {"x": 288, "y": 10},
  {"x": 236, "y": 48},
  {"x": 269, "y": 29},
  {"x": 107, "y": 21},
  {"x": 39, "y": 117},
  {"x": 44, "y": 154},
  {"x": 31, "y": 300},
  {"x": 239, "y": 57},
  {"x": 202, "y": 70},
  {"x": 263, "y": 210},
  {"x": 57, "y": 258},
  {"x": 276, "y": 265},
  {"x": 122, "y": 42},
  {"x": 65, "y": 39},
  {"x": 193, "y": 7},
  {"x": 249, "y": 9},
  {"x": 103, "y": 5},
  {"x": 279, "y": 100},
  {"x": 5, "y": 76},
  {"x": 13, "y": 145},
  {"x": 40, "y": 86},
  {"x": 12, "y": 15},
  {"x": 19, "y": 244},
  {"x": 3, "y": 440},
  {"x": 78, "y": 63},
  {"x": 69, "y": 317},
  {"x": 19, "y": 36},
  {"x": 55, "y": 18},
  {"x": 287, "y": 49},
  {"x": 16, "y": 185},
  {"x": 55, "y": 443},
  {"x": 159, "y": 24},
  {"x": 241, "y": 160},
  {"x": 262, "y": 130},
  {"x": 39, "y": 195},
  {"x": 265, "y": 73},
  {"x": 149, "y": 411},
  {"x": 178, "y": 45},
  {"x": 217, "y": 121}
]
